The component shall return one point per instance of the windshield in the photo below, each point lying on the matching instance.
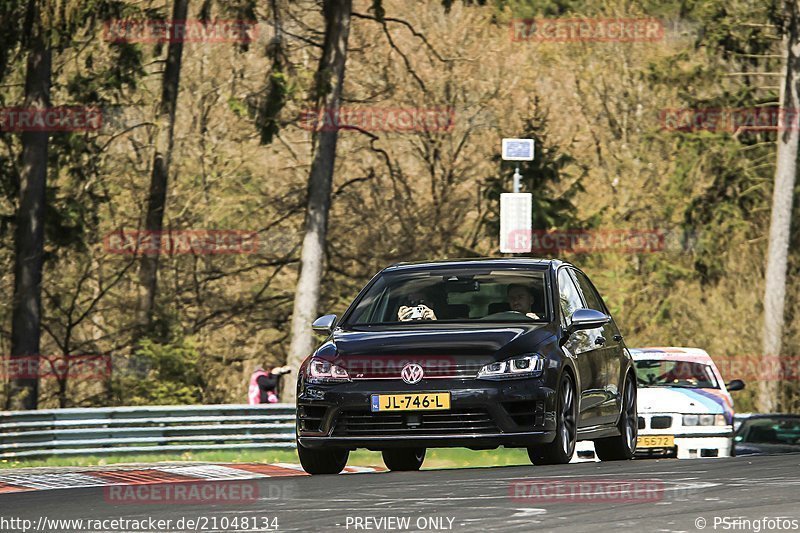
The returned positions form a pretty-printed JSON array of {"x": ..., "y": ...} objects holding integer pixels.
[
  {"x": 445, "y": 296},
  {"x": 771, "y": 431},
  {"x": 688, "y": 374}
]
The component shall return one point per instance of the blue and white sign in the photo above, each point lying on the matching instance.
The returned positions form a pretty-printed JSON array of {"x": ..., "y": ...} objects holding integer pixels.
[{"x": 518, "y": 149}]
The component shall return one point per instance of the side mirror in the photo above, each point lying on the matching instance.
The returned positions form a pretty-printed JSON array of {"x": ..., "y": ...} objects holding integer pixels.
[
  {"x": 586, "y": 319},
  {"x": 324, "y": 324},
  {"x": 735, "y": 384}
]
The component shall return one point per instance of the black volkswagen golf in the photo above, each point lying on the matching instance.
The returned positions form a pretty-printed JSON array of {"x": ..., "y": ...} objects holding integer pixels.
[{"x": 473, "y": 353}]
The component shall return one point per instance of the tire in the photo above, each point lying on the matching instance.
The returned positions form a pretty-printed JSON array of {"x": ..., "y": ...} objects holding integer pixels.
[
  {"x": 622, "y": 447},
  {"x": 331, "y": 461},
  {"x": 562, "y": 448},
  {"x": 404, "y": 459}
]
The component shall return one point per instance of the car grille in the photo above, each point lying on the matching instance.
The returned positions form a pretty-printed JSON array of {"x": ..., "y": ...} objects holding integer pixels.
[
  {"x": 466, "y": 369},
  {"x": 641, "y": 422},
  {"x": 358, "y": 423},
  {"x": 660, "y": 422},
  {"x": 389, "y": 367}
]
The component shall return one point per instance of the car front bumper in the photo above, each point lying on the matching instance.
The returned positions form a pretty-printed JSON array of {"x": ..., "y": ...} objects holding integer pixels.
[
  {"x": 483, "y": 414},
  {"x": 692, "y": 446}
]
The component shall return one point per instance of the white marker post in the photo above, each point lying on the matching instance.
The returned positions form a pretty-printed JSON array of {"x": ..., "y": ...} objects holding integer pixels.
[{"x": 515, "y": 208}]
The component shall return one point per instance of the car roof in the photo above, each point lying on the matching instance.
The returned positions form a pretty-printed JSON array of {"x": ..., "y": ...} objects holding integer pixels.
[
  {"x": 671, "y": 353},
  {"x": 493, "y": 262}
]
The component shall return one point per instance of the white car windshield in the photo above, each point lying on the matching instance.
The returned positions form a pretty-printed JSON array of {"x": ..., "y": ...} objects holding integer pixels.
[{"x": 688, "y": 374}]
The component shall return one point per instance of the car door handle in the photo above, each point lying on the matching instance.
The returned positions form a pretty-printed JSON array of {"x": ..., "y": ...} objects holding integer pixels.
[
  {"x": 617, "y": 338},
  {"x": 600, "y": 341}
]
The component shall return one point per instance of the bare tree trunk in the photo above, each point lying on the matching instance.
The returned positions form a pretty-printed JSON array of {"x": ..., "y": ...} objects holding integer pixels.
[
  {"x": 29, "y": 235},
  {"x": 157, "y": 197},
  {"x": 781, "y": 220},
  {"x": 328, "y": 85}
]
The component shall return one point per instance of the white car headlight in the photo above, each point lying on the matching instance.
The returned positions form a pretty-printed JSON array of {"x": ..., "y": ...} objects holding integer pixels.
[
  {"x": 320, "y": 370},
  {"x": 521, "y": 366},
  {"x": 704, "y": 420}
]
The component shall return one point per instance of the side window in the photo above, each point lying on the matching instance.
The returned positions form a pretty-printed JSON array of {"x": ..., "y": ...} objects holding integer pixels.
[
  {"x": 568, "y": 294},
  {"x": 593, "y": 300}
]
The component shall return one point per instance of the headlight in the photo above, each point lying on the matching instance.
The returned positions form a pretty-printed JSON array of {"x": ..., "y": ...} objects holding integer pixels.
[
  {"x": 521, "y": 366},
  {"x": 704, "y": 420},
  {"x": 320, "y": 370}
]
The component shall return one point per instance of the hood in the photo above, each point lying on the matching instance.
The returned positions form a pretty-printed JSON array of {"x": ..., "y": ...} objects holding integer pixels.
[
  {"x": 442, "y": 350},
  {"x": 683, "y": 400},
  {"x": 461, "y": 340}
]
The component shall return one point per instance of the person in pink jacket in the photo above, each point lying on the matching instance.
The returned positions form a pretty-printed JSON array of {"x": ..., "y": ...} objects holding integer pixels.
[{"x": 264, "y": 385}]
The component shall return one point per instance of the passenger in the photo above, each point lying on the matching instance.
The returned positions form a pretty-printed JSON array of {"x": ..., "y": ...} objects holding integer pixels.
[{"x": 415, "y": 309}]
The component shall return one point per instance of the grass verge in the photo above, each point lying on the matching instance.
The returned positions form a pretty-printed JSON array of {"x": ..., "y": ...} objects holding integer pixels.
[{"x": 437, "y": 458}]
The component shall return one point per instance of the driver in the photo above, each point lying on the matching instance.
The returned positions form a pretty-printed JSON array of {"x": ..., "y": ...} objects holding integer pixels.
[{"x": 520, "y": 300}]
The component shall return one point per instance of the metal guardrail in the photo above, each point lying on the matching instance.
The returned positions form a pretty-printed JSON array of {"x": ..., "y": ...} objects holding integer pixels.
[{"x": 144, "y": 429}]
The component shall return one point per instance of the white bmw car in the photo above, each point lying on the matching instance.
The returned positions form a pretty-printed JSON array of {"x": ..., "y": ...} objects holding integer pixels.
[{"x": 685, "y": 409}]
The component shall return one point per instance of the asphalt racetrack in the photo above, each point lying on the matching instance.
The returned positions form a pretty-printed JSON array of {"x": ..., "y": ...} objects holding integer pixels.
[{"x": 736, "y": 494}]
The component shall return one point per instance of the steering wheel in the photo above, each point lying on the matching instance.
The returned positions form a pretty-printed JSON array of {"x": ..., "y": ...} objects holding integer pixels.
[{"x": 513, "y": 315}]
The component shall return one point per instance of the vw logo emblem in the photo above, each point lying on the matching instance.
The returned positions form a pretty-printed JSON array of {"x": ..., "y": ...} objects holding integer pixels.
[{"x": 412, "y": 373}]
